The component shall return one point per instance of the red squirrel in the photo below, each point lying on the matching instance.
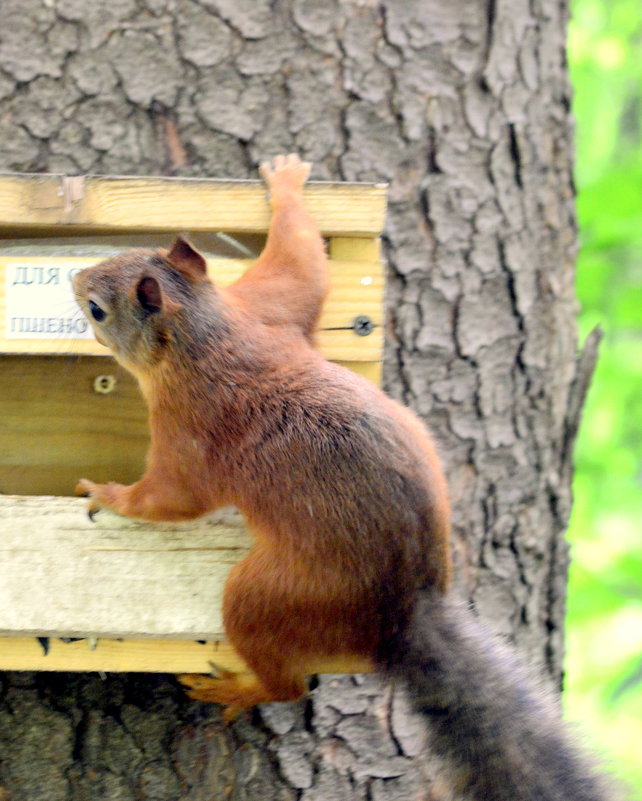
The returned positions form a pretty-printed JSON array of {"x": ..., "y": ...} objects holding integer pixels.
[{"x": 340, "y": 485}]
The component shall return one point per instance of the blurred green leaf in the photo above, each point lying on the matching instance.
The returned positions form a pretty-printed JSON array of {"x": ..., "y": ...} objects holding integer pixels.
[
  {"x": 605, "y": 589},
  {"x": 629, "y": 680}
]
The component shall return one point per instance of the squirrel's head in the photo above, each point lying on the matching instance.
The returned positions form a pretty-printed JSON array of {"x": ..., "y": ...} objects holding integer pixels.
[{"x": 135, "y": 301}]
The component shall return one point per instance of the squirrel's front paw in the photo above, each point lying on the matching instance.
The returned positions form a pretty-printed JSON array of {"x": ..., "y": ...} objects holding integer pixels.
[
  {"x": 285, "y": 173},
  {"x": 98, "y": 495}
]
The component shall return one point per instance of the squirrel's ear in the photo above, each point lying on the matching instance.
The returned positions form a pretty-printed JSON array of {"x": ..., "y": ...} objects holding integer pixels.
[
  {"x": 149, "y": 294},
  {"x": 187, "y": 260}
]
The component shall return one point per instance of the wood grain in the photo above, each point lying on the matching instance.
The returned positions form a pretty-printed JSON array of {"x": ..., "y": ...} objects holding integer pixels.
[
  {"x": 62, "y": 575},
  {"x": 54, "y": 427},
  {"x": 99, "y": 203},
  {"x": 141, "y": 656},
  {"x": 118, "y": 655}
]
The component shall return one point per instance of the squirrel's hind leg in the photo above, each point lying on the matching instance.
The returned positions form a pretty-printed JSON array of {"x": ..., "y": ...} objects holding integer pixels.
[
  {"x": 287, "y": 619},
  {"x": 285, "y": 626}
]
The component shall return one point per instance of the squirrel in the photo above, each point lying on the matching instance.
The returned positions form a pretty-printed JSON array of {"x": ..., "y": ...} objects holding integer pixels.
[{"x": 341, "y": 487}]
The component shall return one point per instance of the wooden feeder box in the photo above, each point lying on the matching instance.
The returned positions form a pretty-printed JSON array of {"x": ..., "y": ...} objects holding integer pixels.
[{"x": 120, "y": 595}]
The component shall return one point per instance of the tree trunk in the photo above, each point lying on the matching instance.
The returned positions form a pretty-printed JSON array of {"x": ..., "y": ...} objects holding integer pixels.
[{"x": 463, "y": 107}]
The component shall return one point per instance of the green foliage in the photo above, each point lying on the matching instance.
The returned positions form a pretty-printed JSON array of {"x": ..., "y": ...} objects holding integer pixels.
[{"x": 604, "y": 665}]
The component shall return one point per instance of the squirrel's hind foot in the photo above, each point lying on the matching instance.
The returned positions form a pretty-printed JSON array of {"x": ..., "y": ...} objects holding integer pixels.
[{"x": 234, "y": 691}]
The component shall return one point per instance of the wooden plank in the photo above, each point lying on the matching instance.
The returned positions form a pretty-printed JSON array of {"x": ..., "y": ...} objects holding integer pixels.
[
  {"x": 342, "y": 248},
  {"x": 122, "y": 656},
  {"x": 55, "y": 428},
  {"x": 357, "y": 289},
  {"x": 370, "y": 370},
  {"x": 62, "y": 575},
  {"x": 99, "y": 203},
  {"x": 143, "y": 656}
]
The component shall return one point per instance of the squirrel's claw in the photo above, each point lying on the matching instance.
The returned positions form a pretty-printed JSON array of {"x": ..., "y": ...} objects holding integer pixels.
[
  {"x": 86, "y": 489},
  {"x": 199, "y": 681},
  {"x": 220, "y": 687},
  {"x": 219, "y": 672}
]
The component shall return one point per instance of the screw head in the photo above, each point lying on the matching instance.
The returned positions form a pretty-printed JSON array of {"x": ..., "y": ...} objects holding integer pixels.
[
  {"x": 362, "y": 325},
  {"x": 104, "y": 384}
]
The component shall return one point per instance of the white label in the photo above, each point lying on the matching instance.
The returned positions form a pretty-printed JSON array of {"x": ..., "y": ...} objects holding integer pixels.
[{"x": 40, "y": 303}]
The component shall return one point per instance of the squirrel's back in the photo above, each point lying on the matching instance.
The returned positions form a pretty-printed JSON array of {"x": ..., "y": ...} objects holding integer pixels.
[{"x": 333, "y": 473}]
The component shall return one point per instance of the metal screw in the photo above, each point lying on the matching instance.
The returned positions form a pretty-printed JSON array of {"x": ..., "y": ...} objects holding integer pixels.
[
  {"x": 362, "y": 325},
  {"x": 104, "y": 384}
]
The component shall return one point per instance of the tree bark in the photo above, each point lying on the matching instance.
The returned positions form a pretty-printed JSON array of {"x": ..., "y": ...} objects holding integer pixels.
[{"x": 463, "y": 107}]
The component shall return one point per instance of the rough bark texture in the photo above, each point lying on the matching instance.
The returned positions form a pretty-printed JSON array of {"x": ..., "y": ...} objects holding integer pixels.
[{"x": 464, "y": 108}]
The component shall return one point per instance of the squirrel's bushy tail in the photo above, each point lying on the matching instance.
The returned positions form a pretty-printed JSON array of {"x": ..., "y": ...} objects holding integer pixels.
[{"x": 503, "y": 739}]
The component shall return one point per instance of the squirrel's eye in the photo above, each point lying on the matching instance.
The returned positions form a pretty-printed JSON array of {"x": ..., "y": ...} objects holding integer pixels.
[{"x": 96, "y": 312}]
